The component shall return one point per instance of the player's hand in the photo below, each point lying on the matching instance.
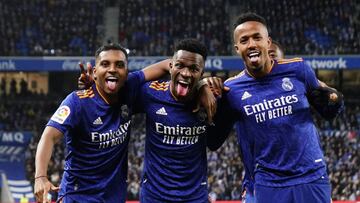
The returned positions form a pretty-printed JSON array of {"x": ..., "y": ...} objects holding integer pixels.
[
  {"x": 243, "y": 195},
  {"x": 207, "y": 100},
  {"x": 325, "y": 95},
  {"x": 41, "y": 189},
  {"x": 209, "y": 199},
  {"x": 216, "y": 85},
  {"x": 327, "y": 101},
  {"x": 333, "y": 94},
  {"x": 86, "y": 79}
]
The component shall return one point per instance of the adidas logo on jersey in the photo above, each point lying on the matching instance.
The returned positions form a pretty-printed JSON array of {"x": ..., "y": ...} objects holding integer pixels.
[
  {"x": 98, "y": 121},
  {"x": 245, "y": 95},
  {"x": 161, "y": 111}
]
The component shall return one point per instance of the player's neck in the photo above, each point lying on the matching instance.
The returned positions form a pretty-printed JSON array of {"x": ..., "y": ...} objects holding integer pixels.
[
  {"x": 108, "y": 99},
  {"x": 263, "y": 71}
]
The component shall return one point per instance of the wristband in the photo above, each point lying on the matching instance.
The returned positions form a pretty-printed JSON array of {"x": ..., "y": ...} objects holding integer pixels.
[{"x": 39, "y": 177}]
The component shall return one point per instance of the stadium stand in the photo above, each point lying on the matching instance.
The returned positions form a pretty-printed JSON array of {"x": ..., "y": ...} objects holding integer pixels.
[
  {"x": 57, "y": 28},
  {"x": 335, "y": 30},
  {"x": 151, "y": 28},
  {"x": 311, "y": 27},
  {"x": 155, "y": 26}
]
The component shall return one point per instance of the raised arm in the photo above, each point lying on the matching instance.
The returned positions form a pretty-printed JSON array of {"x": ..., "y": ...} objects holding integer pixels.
[
  {"x": 44, "y": 150},
  {"x": 152, "y": 72},
  {"x": 157, "y": 70}
]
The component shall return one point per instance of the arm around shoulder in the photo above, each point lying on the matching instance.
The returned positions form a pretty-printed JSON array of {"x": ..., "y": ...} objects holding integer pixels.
[
  {"x": 223, "y": 124},
  {"x": 157, "y": 70}
]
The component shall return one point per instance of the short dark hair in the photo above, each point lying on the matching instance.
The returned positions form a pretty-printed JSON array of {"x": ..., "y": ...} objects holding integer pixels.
[
  {"x": 279, "y": 45},
  {"x": 249, "y": 16},
  {"x": 192, "y": 45},
  {"x": 111, "y": 46}
]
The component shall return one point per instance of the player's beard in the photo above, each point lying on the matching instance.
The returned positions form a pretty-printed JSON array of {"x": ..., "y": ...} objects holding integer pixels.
[
  {"x": 254, "y": 68},
  {"x": 257, "y": 68}
]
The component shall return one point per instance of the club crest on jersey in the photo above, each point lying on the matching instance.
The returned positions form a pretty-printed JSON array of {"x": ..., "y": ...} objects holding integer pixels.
[
  {"x": 287, "y": 84},
  {"x": 124, "y": 111},
  {"x": 61, "y": 114}
]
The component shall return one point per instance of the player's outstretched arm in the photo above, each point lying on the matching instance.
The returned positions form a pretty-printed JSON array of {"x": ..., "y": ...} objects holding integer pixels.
[
  {"x": 326, "y": 100},
  {"x": 157, "y": 70},
  {"x": 152, "y": 72},
  {"x": 43, "y": 154}
]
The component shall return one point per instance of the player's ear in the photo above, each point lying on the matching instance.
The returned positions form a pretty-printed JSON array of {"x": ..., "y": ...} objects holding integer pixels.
[
  {"x": 237, "y": 50},
  {"x": 170, "y": 66},
  {"x": 202, "y": 71},
  {"x": 269, "y": 41},
  {"x": 236, "y": 39},
  {"x": 236, "y": 47},
  {"x": 94, "y": 72},
  {"x": 172, "y": 61}
]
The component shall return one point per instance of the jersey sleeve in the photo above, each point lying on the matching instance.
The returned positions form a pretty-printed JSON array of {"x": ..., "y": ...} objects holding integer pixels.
[
  {"x": 140, "y": 103},
  {"x": 319, "y": 96},
  {"x": 132, "y": 88},
  {"x": 309, "y": 77},
  {"x": 223, "y": 123},
  {"x": 136, "y": 79},
  {"x": 134, "y": 82},
  {"x": 66, "y": 116}
]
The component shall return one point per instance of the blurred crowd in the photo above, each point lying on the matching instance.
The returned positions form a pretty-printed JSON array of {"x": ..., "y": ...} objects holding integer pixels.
[
  {"x": 50, "y": 27},
  {"x": 311, "y": 27},
  {"x": 150, "y": 28},
  {"x": 340, "y": 141},
  {"x": 28, "y": 111}
]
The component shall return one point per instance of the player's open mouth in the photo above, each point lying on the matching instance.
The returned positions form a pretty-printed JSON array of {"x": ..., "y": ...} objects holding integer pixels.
[
  {"x": 254, "y": 56},
  {"x": 182, "y": 87},
  {"x": 111, "y": 82}
]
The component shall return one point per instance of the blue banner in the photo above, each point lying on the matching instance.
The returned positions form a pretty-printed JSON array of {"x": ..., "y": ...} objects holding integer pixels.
[
  {"x": 12, "y": 152},
  {"x": 13, "y": 146},
  {"x": 213, "y": 63}
]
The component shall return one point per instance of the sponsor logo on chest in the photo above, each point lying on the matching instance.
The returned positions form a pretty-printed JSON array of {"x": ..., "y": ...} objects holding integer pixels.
[
  {"x": 269, "y": 109},
  {"x": 110, "y": 138},
  {"x": 180, "y": 135}
]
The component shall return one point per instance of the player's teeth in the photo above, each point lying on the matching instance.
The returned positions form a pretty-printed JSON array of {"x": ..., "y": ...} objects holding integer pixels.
[{"x": 184, "y": 83}]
